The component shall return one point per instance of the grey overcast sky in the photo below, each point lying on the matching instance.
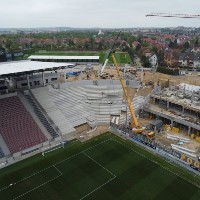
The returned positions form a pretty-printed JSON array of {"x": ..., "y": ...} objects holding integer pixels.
[{"x": 95, "y": 13}]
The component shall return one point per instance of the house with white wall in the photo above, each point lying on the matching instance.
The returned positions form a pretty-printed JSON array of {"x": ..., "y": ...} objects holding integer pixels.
[
  {"x": 153, "y": 60},
  {"x": 196, "y": 63}
]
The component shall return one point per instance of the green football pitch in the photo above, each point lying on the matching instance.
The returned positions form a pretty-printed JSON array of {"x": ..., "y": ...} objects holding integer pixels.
[{"x": 103, "y": 168}]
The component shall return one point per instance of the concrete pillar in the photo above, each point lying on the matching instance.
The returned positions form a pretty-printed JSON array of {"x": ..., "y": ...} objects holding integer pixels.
[
  {"x": 172, "y": 123},
  {"x": 6, "y": 85},
  {"x": 183, "y": 110},
  {"x": 81, "y": 73},
  {"x": 192, "y": 97},
  {"x": 189, "y": 130},
  {"x": 28, "y": 82},
  {"x": 5, "y": 81},
  {"x": 167, "y": 104},
  {"x": 154, "y": 100},
  {"x": 65, "y": 72},
  {"x": 43, "y": 80}
]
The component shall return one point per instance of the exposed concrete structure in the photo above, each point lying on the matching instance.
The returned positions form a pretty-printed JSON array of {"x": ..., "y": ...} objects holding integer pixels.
[
  {"x": 83, "y": 102},
  {"x": 178, "y": 105}
]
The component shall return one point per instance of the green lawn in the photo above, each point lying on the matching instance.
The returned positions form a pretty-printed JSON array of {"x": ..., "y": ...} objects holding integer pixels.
[
  {"x": 121, "y": 57},
  {"x": 106, "y": 167}
]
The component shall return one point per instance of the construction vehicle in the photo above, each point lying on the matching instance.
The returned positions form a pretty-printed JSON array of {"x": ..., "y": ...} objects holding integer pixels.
[{"x": 134, "y": 125}]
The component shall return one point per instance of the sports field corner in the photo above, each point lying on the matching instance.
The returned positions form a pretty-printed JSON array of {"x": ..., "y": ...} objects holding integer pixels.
[{"x": 105, "y": 167}]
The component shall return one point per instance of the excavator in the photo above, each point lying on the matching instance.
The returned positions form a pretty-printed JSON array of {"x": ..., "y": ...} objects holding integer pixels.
[{"x": 134, "y": 125}]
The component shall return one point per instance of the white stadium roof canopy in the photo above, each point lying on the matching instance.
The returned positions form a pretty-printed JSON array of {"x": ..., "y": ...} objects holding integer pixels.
[
  {"x": 63, "y": 57},
  {"x": 28, "y": 66}
]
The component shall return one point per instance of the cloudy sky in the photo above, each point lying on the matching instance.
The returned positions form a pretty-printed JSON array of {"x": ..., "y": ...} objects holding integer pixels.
[{"x": 95, "y": 13}]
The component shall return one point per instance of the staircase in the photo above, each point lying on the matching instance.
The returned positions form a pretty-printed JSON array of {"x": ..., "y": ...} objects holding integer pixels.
[{"x": 42, "y": 117}]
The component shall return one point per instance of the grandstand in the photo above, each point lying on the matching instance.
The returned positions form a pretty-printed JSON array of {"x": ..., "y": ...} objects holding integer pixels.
[
  {"x": 83, "y": 102},
  {"x": 1, "y": 153},
  {"x": 37, "y": 111},
  {"x": 17, "y": 127}
]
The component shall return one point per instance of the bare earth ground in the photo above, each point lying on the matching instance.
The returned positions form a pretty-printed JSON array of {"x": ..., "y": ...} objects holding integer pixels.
[{"x": 155, "y": 77}]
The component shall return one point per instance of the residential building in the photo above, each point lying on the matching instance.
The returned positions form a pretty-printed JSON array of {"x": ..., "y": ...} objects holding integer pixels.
[
  {"x": 147, "y": 52},
  {"x": 153, "y": 61},
  {"x": 186, "y": 59},
  {"x": 196, "y": 63}
]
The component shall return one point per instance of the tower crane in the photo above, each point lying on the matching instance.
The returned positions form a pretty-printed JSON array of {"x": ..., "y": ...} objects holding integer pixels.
[{"x": 172, "y": 15}]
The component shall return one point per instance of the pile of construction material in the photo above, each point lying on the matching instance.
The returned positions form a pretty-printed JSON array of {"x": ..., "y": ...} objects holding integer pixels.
[
  {"x": 178, "y": 138},
  {"x": 184, "y": 150}
]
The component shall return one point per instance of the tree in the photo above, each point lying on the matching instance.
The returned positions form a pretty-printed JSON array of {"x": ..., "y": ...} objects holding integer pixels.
[
  {"x": 71, "y": 43},
  {"x": 92, "y": 43},
  {"x": 155, "y": 49},
  {"x": 160, "y": 56},
  {"x": 100, "y": 47},
  {"x": 1, "y": 48},
  {"x": 171, "y": 44},
  {"x": 196, "y": 44},
  {"x": 139, "y": 38},
  {"x": 14, "y": 47},
  {"x": 175, "y": 44},
  {"x": 186, "y": 45},
  {"x": 145, "y": 61},
  {"x": 138, "y": 47},
  {"x": 8, "y": 43},
  {"x": 131, "y": 40},
  {"x": 145, "y": 44}
]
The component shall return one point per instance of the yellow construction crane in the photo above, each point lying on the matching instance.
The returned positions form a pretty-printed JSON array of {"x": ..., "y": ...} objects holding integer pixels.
[
  {"x": 172, "y": 15},
  {"x": 134, "y": 125}
]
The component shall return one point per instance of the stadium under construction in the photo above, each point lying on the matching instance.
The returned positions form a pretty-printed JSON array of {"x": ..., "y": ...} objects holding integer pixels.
[{"x": 41, "y": 109}]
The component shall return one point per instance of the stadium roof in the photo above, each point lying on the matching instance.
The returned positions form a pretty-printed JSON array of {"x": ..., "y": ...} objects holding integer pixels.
[
  {"x": 63, "y": 57},
  {"x": 28, "y": 66}
]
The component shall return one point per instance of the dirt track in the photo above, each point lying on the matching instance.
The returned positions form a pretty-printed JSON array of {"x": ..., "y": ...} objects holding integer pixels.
[{"x": 173, "y": 80}]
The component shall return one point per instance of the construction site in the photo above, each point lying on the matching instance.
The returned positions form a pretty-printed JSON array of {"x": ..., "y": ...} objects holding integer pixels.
[{"x": 178, "y": 108}]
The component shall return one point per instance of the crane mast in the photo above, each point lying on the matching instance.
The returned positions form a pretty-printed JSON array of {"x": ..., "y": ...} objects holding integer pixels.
[
  {"x": 134, "y": 122},
  {"x": 134, "y": 125}
]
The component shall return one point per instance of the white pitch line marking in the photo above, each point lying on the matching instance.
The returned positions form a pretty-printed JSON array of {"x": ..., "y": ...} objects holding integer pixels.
[
  {"x": 54, "y": 166},
  {"x": 114, "y": 176},
  {"x": 187, "y": 180},
  {"x": 97, "y": 188},
  {"x": 99, "y": 164}
]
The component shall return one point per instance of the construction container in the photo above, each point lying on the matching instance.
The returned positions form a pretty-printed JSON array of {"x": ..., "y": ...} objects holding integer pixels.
[
  {"x": 198, "y": 133},
  {"x": 198, "y": 139},
  {"x": 167, "y": 127},
  {"x": 175, "y": 130},
  {"x": 192, "y": 136},
  {"x": 156, "y": 125}
]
